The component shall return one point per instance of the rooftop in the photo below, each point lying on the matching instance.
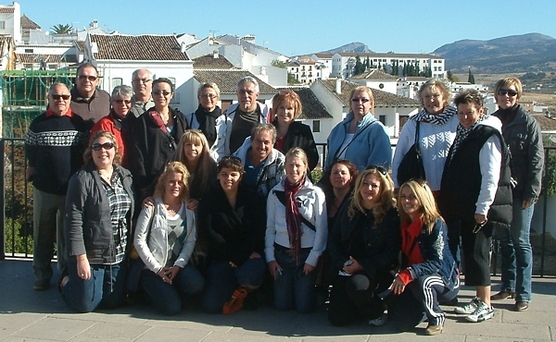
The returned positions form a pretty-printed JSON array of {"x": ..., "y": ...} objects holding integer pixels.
[
  {"x": 209, "y": 62},
  {"x": 312, "y": 107},
  {"x": 227, "y": 79},
  {"x": 138, "y": 48},
  {"x": 375, "y": 74}
]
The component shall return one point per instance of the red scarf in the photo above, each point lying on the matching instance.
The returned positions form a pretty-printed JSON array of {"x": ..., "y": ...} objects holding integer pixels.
[
  {"x": 293, "y": 217},
  {"x": 50, "y": 113}
]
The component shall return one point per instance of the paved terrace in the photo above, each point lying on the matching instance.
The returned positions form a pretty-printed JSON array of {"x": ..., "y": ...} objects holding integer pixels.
[{"x": 27, "y": 315}]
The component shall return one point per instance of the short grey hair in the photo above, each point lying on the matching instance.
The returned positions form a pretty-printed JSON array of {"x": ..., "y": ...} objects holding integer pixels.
[
  {"x": 54, "y": 85},
  {"x": 264, "y": 127},
  {"x": 208, "y": 85},
  {"x": 247, "y": 79},
  {"x": 123, "y": 91},
  {"x": 134, "y": 74}
]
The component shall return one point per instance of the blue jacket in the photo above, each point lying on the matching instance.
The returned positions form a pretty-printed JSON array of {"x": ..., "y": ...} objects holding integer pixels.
[{"x": 370, "y": 144}]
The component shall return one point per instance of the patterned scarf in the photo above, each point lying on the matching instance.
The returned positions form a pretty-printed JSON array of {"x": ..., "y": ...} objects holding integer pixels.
[
  {"x": 293, "y": 217},
  {"x": 461, "y": 135},
  {"x": 436, "y": 119}
]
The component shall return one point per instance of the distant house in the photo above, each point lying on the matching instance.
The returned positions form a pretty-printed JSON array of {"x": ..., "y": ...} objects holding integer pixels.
[
  {"x": 409, "y": 86},
  {"x": 325, "y": 60},
  {"x": 305, "y": 69},
  {"x": 377, "y": 79},
  {"x": 212, "y": 61},
  {"x": 117, "y": 56},
  {"x": 7, "y": 51},
  {"x": 10, "y": 21},
  {"x": 315, "y": 115},
  {"x": 27, "y": 25}
]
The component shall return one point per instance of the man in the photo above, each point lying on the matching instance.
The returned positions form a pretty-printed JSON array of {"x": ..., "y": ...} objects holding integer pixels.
[
  {"x": 86, "y": 100},
  {"x": 240, "y": 118},
  {"x": 263, "y": 164},
  {"x": 54, "y": 146},
  {"x": 142, "y": 83}
]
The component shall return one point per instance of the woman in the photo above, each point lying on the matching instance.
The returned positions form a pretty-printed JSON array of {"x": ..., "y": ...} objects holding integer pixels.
[
  {"x": 115, "y": 122},
  {"x": 364, "y": 245},
  {"x": 476, "y": 196},
  {"x": 194, "y": 152},
  {"x": 233, "y": 226},
  {"x": 360, "y": 137},
  {"x": 156, "y": 134},
  {"x": 429, "y": 274},
  {"x": 286, "y": 107},
  {"x": 99, "y": 207},
  {"x": 296, "y": 235},
  {"x": 164, "y": 239},
  {"x": 523, "y": 136},
  {"x": 437, "y": 129},
  {"x": 337, "y": 183},
  {"x": 204, "y": 118}
]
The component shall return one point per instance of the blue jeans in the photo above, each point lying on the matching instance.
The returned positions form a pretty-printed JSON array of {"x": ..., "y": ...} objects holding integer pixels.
[
  {"x": 106, "y": 289},
  {"x": 223, "y": 280},
  {"x": 517, "y": 254},
  {"x": 293, "y": 288},
  {"x": 167, "y": 298}
]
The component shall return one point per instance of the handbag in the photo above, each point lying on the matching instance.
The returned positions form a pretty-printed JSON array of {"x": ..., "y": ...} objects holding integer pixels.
[{"x": 411, "y": 166}]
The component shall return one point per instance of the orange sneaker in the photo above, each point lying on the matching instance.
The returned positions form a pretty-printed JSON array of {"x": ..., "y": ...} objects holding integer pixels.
[{"x": 236, "y": 302}]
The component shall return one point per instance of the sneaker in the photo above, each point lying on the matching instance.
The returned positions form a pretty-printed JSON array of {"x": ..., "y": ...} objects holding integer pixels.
[
  {"x": 377, "y": 322},
  {"x": 468, "y": 308},
  {"x": 482, "y": 313},
  {"x": 503, "y": 295},
  {"x": 521, "y": 305},
  {"x": 236, "y": 302},
  {"x": 433, "y": 329}
]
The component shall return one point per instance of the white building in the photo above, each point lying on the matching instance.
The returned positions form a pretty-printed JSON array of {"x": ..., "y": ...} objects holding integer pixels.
[
  {"x": 377, "y": 79},
  {"x": 10, "y": 21},
  {"x": 325, "y": 60},
  {"x": 305, "y": 69}
]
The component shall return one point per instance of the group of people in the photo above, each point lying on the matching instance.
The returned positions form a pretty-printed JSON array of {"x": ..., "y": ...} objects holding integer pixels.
[{"x": 218, "y": 207}]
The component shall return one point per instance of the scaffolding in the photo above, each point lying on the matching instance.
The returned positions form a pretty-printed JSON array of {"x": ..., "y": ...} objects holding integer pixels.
[{"x": 24, "y": 97}]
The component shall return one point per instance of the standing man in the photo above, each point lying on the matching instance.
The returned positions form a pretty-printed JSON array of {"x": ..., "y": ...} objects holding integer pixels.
[
  {"x": 54, "y": 145},
  {"x": 240, "y": 118},
  {"x": 142, "y": 82},
  {"x": 86, "y": 100}
]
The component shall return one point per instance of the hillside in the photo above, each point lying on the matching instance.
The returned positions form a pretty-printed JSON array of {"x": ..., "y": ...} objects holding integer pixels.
[
  {"x": 350, "y": 47},
  {"x": 530, "y": 52}
]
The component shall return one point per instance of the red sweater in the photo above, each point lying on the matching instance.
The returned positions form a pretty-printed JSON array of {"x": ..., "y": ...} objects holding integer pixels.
[{"x": 410, "y": 247}]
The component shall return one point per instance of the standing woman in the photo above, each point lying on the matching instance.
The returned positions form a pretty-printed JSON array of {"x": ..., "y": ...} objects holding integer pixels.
[
  {"x": 286, "y": 107},
  {"x": 523, "y": 136},
  {"x": 156, "y": 134},
  {"x": 364, "y": 245},
  {"x": 429, "y": 273},
  {"x": 164, "y": 238},
  {"x": 204, "y": 118},
  {"x": 296, "y": 234},
  {"x": 99, "y": 207},
  {"x": 360, "y": 137},
  {"x": 437, "y": 129},
  {"x": 233, "y": 226}
]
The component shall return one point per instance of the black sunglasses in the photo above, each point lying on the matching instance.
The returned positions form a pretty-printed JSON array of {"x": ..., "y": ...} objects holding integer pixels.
[
  {"x": 107, "y": 146},
  {"x": 90, "y": 77},
  {"x": 509, "y": 92},
  {"x": 57, "y": 97},
  {"x": 378, "y": 168},
  {"x": 161, "y": 92}
]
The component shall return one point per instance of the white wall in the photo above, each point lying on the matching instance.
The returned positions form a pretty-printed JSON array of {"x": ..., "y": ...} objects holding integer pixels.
[{"x": 389, "y": 86}]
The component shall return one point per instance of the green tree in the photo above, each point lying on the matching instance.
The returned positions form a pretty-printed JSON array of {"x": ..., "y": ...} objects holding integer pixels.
[
  {"x": 470, "y": 77},
  {"x": 291, "y": 79},
  {"x": 62, "y": 29},
  {"x": 278, "y": 64},
  {"x": 452, "y": 77},
  {"x": 359, "y": 67}
]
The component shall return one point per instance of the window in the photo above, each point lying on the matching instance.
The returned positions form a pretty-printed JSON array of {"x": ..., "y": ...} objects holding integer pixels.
[
  {"x": 28, "y": 50},
  {"x": 316, "y": 126},
  {"x": 52, "y": 66},
  {"x": 116, "y": 81},
  {"x": 2, "y": 25},
  {"x": 382, "y": 118}
]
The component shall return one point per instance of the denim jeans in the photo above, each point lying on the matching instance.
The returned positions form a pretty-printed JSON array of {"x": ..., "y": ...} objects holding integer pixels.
[
  {"x": 167, "y": 298},
  {"x": 223, "y": 280},
  {"x": 293, "y": 288},
  {"x": 517, "y": 253},
  {"x": 48, "y": 229},
  {"x": 105, "y": 289}
]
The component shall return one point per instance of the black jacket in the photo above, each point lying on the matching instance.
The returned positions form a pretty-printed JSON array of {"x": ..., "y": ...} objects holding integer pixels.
[{"x": 300, "y": 135}]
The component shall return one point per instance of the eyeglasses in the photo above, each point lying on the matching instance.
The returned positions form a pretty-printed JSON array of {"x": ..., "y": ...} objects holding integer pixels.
[
  {"x": 142, "y": 80},
  {"x": 161, "y": 92},
  {"x": 87, "y": 77},
  {"x": 127, "y": 102},
  {"x": 378, "y": 168},
  {"x": 208, "y": 96},
  {"x": 509, "y": 92},
  {"x": 58, "y": 97},
  {"x": 107, "y": 146},
  {"x": 364, "y": 100}
]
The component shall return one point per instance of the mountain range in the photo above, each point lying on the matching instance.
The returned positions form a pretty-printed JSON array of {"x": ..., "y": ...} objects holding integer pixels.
[{"x": 531, "y": 52}]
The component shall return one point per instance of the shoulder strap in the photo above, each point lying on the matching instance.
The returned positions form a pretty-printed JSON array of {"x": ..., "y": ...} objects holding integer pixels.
[
  {"x": 417, "y": 124},
  {"x": 281, "y": 195}
]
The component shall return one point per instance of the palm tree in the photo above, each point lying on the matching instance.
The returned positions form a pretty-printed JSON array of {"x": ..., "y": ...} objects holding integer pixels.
[{"x": 62, "y": 29}]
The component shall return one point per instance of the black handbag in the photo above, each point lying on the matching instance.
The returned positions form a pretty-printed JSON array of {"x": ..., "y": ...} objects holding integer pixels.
[{"x": 411, "y": 166}]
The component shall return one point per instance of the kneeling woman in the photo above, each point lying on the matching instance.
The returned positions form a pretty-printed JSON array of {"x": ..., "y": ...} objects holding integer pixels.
[
  {"x": 430, "y": 274},
  {"x": 364, "y": 244},
  {"x": 99, "y": 207},
  {"x": 233, "y": 227},
  {"x": 296, "y": 233},
  {"x": 165, "y": 238}
]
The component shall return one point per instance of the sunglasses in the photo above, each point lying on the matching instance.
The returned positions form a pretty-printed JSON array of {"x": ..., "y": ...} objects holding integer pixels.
[
  {"x": 509, "y": 92},
  {"x": 85, "y": 77},
  {"x": 107, "y": 146},
  {"x": 58, "y": 97},
  {"x": 161, "y": 92},
  {"x": 127, "y": 102},
  {"x": 380, "y": 169},
  {"x": 364, "y": 100},
  {"x": 477, "y": 228},
  {"x": 208, "y": 96}
]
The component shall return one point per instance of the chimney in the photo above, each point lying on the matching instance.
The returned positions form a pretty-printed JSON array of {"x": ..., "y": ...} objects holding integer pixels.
[
  {"x": 215, "y": 54},
  {"x": 338, "y": 86},
  {"x": 182, "y": 47}
]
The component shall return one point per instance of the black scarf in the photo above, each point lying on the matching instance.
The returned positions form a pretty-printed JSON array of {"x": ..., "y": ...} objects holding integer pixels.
[
  {"x": 437, "y": 119},
  {"x": 207, "y": 122},
  {"x": 507, "y": 115}
]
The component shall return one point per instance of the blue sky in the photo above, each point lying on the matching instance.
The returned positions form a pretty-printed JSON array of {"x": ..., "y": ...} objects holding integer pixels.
[{"x": 298, "y": 27}]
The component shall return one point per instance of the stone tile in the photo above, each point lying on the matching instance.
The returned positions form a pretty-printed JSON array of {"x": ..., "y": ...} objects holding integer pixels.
[
  {"x": 112, "y": 332},
  {"x": 54, "y": 329},
  {"x": 172, "y": 334},
  {"x": 10, "y": 323}
]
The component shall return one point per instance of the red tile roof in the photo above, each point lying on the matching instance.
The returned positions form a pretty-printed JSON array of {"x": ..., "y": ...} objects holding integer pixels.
[{"x": 138, "y": 48}]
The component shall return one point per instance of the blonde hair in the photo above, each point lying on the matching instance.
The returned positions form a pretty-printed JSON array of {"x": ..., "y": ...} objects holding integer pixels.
[
  {"x": 425, "y": 198},
  {"x": 203, "y": 173},
  {"x": 299, "y": 153},
  {"x": 386, "y": 196},
  {"x": 507, "y": 82},
  {"x": 363, "y": 89},
  {"x": 173, "y": 167},
  {"x": 438, "y": 85}
]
